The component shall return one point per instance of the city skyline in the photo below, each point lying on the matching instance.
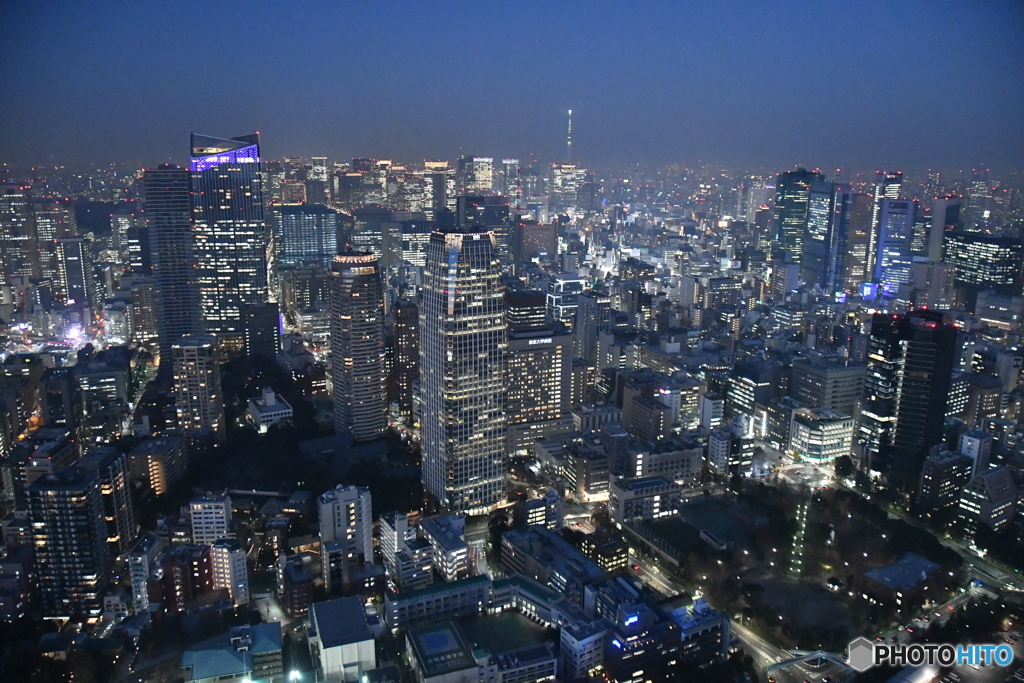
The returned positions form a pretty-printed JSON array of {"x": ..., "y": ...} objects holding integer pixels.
[{"x": 781, "y": 87}]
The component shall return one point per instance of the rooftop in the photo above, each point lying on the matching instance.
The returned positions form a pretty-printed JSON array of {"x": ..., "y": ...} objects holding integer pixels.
[
  {"x": 441, "y": 649},
  {"x": 905, "y": 574},
  {"x": 339, "y": 622}
]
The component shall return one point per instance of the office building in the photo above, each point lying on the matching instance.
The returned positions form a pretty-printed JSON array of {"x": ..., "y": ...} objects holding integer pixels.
[
  {"x": 641, "y": 647},
  {"x": 820, "y": 436},
  {"x": 18, "y": 235},
  {"x": 539, "y": 371},
  {"x": 563, "y": 294},
  {"x": 823, "y": 259},
  {"x": 230, "y": 570},
  {"x": 593, "y": 315},
  {"x": 943, "y": 477},
  {"x": 989, "y": 499},
  {"x": 69, "y": 533},
  {"x": 894, "y": 252},
  {"x": 211, "y": 519},
  {"x": 475, "y": 176},
  {"x": 268, "y": 409},
  {"x": 407, "y": 354},
  {"x": 909, "y": 367},
  {"x": 198, "y": 398},
  {"x": 168, "y": 211},
  {"x": 650, "y": 498},
  {"x": 792, "y": 195},
  {"x": 446, "y": 600},
  {"x": 306, "y": 234},
  {"x": 704, "y": 634},
  {"x": 76, "y": 284},
  {"x": 261, "y": 329},
  {"x": 230, "y": 234},
  {"x": 828, "y": 383},
  {"x": 462, "y": 361},
  {"x": 357, "y": 346},
  {"x": 394, "y": 533},
  {"x": 888, "y": 185},
  {"x": 985, "y": 262},
  {"x": 346, "y": 527}
]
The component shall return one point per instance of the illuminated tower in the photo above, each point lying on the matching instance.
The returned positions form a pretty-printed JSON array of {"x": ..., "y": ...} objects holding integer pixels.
[
  {"x": 462, "y": 362},
  {"x": 231, "y": 241},
  {"x": 169, "y": 225},
  {"x": 197, "y": 393},
  {"x": 357, "y": 345},
  {"x": 792, "y": 194}
]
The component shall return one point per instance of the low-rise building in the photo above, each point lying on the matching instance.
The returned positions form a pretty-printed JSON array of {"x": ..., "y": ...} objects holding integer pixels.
[
  {"x": 446, "y": 535},
  {"x": 245, "y": 653},
  {"x": 268, "y": 409},
  {"x": 447, "y": 600},
  {"x": 582, "y": 647},
  {"x": 340, "y": 642},
  {"x": 440, "y": 653},
  {"x": 704, "y": 634},
  {"x": 650, "y": 498}
]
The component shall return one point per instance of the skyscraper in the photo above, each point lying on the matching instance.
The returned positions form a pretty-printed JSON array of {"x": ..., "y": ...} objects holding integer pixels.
[
  {"x": 357, "y": 345},
  {"x": 231, "y": 241},
  {"x": 792, "y": 193},
  {"x": 18, "y": 254},
  {"x": 476, "y": 175},
  {"x": 197, "y": 393},
  {"x": 823, "y": 261},
  {"x": 168, "y": 206},
  {"x": 462, "y": 360},
  {"x": 985, "y": 262},
  {"x": 894, "y": 248},
  {"x": 70, "y": 537},
  {"x": 888, "y": 185},
  {"x": 539, "y": 371},
  {"x": 306, "y": 234},
  {"x": 407, "y": 353},
  {"x": 910, "y": 363},
  {"x": 76, "y": 284}
]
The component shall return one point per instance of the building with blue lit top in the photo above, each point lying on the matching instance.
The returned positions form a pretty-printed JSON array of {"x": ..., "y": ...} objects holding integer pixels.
[{"x": 641, "y": 646}]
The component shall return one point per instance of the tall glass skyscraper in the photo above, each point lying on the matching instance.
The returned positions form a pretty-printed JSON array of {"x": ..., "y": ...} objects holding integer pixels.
[
  {"x": 305, "y": 234},
  {"x": 230, "y": 234},
  {"x": 357, "y": 345},
  {"x": 792, "y": 190},
  {"x": 462, "y": 359},
  {"x": 167, "y": 190}
]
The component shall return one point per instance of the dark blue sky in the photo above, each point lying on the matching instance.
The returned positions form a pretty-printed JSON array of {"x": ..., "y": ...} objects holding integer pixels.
[{"x": 754, "y": 84}]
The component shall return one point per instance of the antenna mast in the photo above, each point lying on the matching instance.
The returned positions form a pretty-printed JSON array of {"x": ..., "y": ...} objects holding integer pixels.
[{"x": 568, "y": 141}]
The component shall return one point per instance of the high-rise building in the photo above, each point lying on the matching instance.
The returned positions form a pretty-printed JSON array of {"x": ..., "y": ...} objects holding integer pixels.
[
  {"x": 476, "y": 175},
  {"x": 168, "y": 205},
  {"x": 54, "y": 219},
  {"x": 894, "y": 254},
  {"x": 306, "y": 234},
  {"x": 909, "y": 367},
  {"x": 112, "y": 466},
  {"x": 593, "y": 316},
  {"x": 511, "y": 187},
  {"x": 18, "y": 252},
  {"x": 945, "y": 218},
  {"x": 858, "y": 243},
  {"x": 70, "y": 538},
  {"x": 566, "y": 181},
  {"x": 357, "y": 345},
  {"x": 539, "y": 371},
  {"x": 230, "y": 570},
  {"x": 211, "y": 519},
  {"x": 792, "y": 193},
  {"x": 346, "y": 527},
  {"x": 462, "y": 360},
  {"x": 231, "y": 239},
  {"x": 823, "y": 261},
  {"x": 888, "y": 185},
  {"x": 197, "y": 394},
  {"x": 985, "y": 262},
  {"x": 829, "y": 384},
  {"x": 261, "y": 329},
  {"x": 486, "y": 212},
  {"x": 76, "y": 283},
  {"x": 407, "y": 353}
]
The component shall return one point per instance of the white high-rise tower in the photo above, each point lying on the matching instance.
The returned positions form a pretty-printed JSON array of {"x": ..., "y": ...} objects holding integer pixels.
[{"x": 462, "y": 355}]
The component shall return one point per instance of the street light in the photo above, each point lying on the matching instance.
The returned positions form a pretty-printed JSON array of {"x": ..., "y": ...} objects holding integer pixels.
[{"x": 294, "y": 675}]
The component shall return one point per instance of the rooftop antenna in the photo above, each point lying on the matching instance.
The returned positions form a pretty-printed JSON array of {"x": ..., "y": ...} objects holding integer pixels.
[{"x": 568, "y": 141}]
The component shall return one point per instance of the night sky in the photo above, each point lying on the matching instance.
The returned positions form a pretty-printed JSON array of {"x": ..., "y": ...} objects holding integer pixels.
[{"x": 751, "y": 84}]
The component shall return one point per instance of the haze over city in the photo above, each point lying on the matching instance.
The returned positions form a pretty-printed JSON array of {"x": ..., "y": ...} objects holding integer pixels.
[{"x": 512, "y": 342}]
